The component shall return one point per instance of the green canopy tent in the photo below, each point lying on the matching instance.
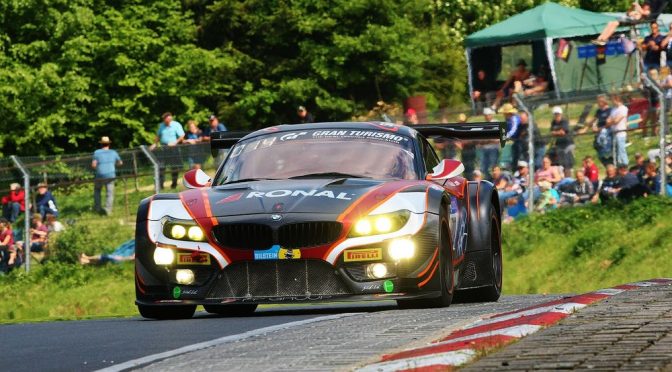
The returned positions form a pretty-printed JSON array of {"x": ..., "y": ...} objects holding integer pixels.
[{"x": 541, "y": 27}]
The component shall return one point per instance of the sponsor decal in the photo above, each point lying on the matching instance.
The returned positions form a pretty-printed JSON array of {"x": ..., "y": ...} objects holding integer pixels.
[
  {"x": 194, "y": 258},
  {"x": 177, "y": 292},
  {"x": 276, "y": 217},
  {"x": 372, "y": 134},
  {"x": 190, "y": 292},
  {"x": 231, "y": 198},
  {"x": 366, "y": 254},
  {"x": 277, "y": 253},
  {"x": 313, "y": 193},
  {"x": 292, "y": 136},
  {"x": 388, "y": 286},
  {"x": 371, "y": 287},
  {"x": 386, "y": 126}
]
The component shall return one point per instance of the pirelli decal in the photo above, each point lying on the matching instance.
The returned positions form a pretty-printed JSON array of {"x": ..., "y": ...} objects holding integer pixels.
[
  {"x": 367, "y": 254},
  {"x": 193, "y": 259}
]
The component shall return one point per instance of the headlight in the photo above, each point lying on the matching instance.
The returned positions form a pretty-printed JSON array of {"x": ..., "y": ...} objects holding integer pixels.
[
  {"x": 380, "y": 224},
  {"x": 163, "y": 256},
  {"x": 401, "y": 248},
  {"x": 183, "y": 230}
]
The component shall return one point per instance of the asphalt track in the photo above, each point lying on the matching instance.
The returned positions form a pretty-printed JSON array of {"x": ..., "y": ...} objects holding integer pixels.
[{"x": 94, "y": 344}]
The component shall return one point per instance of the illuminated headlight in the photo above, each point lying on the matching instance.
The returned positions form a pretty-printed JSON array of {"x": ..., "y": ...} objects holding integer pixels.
[
  {"x": 163, "y": 256},
  {"x": 184, "y": 276},
  {"x": 183, "y": 230},
  {"x": 401, "y": 249},
  {"x": 380, "y": 224},
  {"x": 376, "y": 271}
]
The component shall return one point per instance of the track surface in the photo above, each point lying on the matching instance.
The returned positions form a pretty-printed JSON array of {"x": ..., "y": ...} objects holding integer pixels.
[{"x": 94, "y": 344}]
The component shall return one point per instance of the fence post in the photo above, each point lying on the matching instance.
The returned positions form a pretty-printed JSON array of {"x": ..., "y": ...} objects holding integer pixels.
[
  {"x": 26, "y": 201},
  {"x": 661, "y": 131},
  {"x": 155, "y": 163},
  {"x": 530, "y": 151}
]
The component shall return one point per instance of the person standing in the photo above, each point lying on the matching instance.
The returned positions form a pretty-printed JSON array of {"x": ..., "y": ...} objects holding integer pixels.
[
  {"x": 490, "y": 149},
  {"x": 603, "y": 136},
  {"x": 170, "y": 134},
  {"x": 104, "y": 164},
  {"x": 564, "y": 143},
  {"x": 304, "y": 116},
  {"x": 618, "y": 121},
  {"x": 652, "y": 46},
  {"x": 194, "y": 136},
  {"x": 213, "y": 126},
  {"x": 513, "y": 132}
]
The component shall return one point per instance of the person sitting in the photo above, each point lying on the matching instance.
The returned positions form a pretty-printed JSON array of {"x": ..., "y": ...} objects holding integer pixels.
[
  {"x": 639, "y": 169},
  {"x": 631, "y": 187},
  {"x": 45, "y": 201},
  {"x": 520, "y": 74},
  {"x": 611, "y": 185},
  {"x": 578, "y": 192},
  {"x": 549, "y": 198},
  {"x": 547, "y": 172},
  {"x": 590, "y": 171},
  {"x": 636, "y": 14},
  {"x": 537, "y": 84},
  {"x": 53, "y": 225},
  {"x": 125, "y": 252},
  {"x": 652, "y": 180},
  {"x": 13, "y": 203},
  {"x": 7, "y": 249},
  {"x": 38, "y": 237}
]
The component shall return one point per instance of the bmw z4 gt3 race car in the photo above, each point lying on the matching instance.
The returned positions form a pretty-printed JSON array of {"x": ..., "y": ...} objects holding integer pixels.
[{"x": 322, "y": 212}]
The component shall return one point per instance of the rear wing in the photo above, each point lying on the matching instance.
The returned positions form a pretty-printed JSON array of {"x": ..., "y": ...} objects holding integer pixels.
[
  {"x": 225, "y": 140},
  {"x": 465, "y": 131}
]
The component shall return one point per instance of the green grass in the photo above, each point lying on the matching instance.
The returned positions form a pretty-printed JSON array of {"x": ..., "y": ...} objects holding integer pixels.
[{"x": 583, "y": 249}]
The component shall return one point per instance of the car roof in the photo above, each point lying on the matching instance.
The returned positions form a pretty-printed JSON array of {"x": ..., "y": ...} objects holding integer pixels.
[{"x": 368, "y": 125}]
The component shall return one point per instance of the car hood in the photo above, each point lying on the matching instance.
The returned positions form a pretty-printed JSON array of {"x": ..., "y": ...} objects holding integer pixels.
[{"x": 324, "y": 196}]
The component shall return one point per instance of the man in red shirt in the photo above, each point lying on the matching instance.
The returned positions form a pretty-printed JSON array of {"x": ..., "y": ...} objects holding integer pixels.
[
  {"x": 591, "y": 171},
  {"x": 13, "y": 203},
  {"x": 7, "y": 251}
]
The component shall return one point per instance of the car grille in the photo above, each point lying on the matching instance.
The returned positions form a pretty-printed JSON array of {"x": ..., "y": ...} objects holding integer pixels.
[
  {"x": 307, "y": 279},
  {"x": 308, "y": 234},
  {"x": 292, "y": 235}
]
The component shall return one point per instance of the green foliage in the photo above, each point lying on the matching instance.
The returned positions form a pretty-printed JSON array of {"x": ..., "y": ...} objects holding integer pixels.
[{"x": 581, "y": 249}]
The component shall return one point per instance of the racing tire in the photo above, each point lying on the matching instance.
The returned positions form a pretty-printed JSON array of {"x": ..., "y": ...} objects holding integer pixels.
[
  {"x": 231, "y": 310},
  {"x": 446, "y": 273},
  {"x": 167, "y": 312},
  {"x": 493, "y": 291}
]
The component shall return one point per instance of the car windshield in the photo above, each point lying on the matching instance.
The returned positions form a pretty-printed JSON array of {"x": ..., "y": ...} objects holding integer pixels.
[{"x": 321, "y": 153}]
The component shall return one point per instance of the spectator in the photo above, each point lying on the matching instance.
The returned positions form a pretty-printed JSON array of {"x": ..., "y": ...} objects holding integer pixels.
[
  {"x": 650, "y": 118},
  {"x": 490, "y": 149},
  {"x": 125, "y": 252},
  {"x": 477, "y": 176},
  {"x": 53, "y": 225},
  {"x": 170, "y": 133},
  {"x": 611, "y": 185},
  {"x": 105, "y": 162},
  {"x": 652, "y": 182},
  {"x": 411, "y": 117},
  {"x": 513, "y": 131},
  {"x": 539, "y": 141},
  {"x": 603, "y": 134},
  {"x": 618, "y": 121},
  {"x": 192, "y": 137},
  {"x": 38, "y": 237},
  {"x": 666, "y": 81},
  {"x": 631, "y": 187},
  {"x": 564, "y": 143},
  {"x": 484, "y": 90},
  {"x": 213, "y": 126},
  {"x": 639, "y": 169},
  {"x": 519, "y": 75},
  {"x": 500, "y": 179},
  {"x": 14, "y": 203},
  {"x": 653, "y": 48},
  {"x": 547, "y": 172},
  {"x": 7, "y": 250},
  {"x": 469, "y": 151},
  {"x": 305, "y": 116},
  {"x": 537, "y": 84},
  {"x": 648, "y": 11},
  {"x": 578, "y": 192},
  {"x": 45, "y": 201},
  {"x": 515, "y": 186},
  {"x": 549, "y": 198},
  {"x": 590, "y": 171}
]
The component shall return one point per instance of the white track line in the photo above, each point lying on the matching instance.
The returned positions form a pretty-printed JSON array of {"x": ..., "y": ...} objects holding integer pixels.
[
  {"x": 219, "y": 341},
  {"x": 450, "y": 358}
]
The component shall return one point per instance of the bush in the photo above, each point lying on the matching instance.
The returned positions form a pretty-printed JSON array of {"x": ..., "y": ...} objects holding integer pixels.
[{"x": 67, "y": 245}]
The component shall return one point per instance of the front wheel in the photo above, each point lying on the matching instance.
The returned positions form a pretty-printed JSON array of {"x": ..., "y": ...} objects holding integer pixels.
[
  {"x": 167, "y": 312},
  {"x": 445, "y": 272},
  {"x": 231, "y": 310}
]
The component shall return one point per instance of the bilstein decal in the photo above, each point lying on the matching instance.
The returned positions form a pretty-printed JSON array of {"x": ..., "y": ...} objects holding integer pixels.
[{"x": 314, "y": 193}]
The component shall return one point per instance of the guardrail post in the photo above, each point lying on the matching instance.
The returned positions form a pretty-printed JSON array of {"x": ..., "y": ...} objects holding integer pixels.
[
  {"x": 155, "y": 163},
  {"x": 661, "y": 130},
  {"x": 530, "y": 151},
  {"x": 26, "y": 214}
]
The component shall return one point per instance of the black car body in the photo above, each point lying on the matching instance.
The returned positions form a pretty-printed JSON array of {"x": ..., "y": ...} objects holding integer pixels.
[{"x": 322, "y": 212}]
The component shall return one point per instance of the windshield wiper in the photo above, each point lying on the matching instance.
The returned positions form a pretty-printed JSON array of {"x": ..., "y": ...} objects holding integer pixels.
[
  {"x": 328, "y": 175},
  {"x": 247, "y": 180}
]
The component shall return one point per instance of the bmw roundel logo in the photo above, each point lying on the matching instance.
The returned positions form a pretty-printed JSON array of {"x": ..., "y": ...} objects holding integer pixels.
[{"x": 276, "y": 217}]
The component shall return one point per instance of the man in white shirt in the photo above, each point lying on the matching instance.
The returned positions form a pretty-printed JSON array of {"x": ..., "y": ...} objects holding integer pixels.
[{"x": 618, "y": 121}]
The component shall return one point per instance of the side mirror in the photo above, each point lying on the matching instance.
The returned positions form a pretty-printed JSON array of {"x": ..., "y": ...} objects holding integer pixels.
[
  {"x": 195, "y": 179},
  {"x": 447, "y": 168}
]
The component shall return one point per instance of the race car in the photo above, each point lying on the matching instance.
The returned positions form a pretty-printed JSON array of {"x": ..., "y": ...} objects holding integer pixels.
[{"x": 322, "y": 212}]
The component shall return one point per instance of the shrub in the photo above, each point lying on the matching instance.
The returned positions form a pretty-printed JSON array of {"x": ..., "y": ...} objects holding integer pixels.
[{"x": 67, "y": 245}]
